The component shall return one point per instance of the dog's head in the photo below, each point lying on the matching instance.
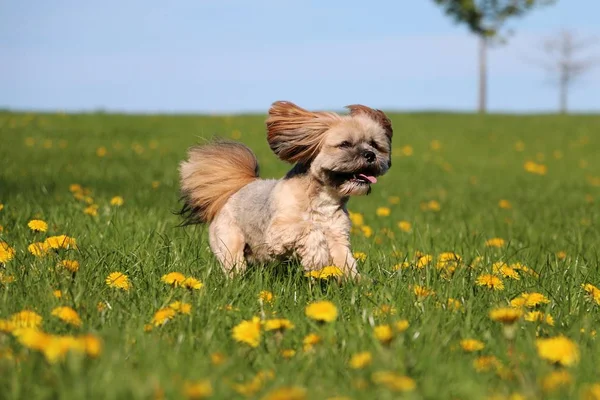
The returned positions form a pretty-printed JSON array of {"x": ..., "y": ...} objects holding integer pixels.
[{"x": 345, "y": 152}]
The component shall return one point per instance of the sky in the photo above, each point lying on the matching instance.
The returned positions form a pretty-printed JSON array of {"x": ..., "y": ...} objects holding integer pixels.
[{"x": 228, "y": 56}]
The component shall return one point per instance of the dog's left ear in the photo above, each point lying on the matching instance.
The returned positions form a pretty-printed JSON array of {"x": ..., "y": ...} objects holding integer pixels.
[
  {"x": 376, "y": 115},
  {"x": 295, "y": 134}
]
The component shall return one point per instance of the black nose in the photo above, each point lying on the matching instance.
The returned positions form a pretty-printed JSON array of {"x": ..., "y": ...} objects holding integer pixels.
[{"x": 369, "y": 155}]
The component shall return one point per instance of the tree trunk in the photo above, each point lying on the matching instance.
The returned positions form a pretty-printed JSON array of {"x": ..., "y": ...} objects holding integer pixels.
[
  {"x": 483, "y": 74},
  {"x": 564, "y": 88}
]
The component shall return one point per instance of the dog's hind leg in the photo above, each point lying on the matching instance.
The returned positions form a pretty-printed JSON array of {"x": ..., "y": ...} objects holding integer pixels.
[{"x": 227, "y": 243}]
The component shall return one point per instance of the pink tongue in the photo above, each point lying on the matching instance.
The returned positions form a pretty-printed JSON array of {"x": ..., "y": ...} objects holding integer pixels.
[{"x": 371, "y": 179}]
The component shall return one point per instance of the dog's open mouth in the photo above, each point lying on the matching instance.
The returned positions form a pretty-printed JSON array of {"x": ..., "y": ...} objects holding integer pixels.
[{"x": 361, "y": 178}]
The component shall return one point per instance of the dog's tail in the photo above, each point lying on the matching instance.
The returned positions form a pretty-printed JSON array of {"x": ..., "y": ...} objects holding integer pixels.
[{"x": 211, "y": 174}]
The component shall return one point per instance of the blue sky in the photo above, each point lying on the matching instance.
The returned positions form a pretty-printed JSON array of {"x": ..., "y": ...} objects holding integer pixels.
[{"x": 239, "y": 55}]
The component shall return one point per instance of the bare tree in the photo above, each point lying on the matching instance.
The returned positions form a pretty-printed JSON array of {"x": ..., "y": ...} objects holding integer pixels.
[{"x": 565, "y": 62}]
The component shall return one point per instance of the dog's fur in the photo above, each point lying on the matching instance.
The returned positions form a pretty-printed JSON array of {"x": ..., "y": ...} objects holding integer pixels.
[{"x": 304, "y": 214}]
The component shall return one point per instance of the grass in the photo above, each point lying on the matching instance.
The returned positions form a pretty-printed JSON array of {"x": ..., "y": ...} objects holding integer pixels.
[{"x": 465, "y": 163}]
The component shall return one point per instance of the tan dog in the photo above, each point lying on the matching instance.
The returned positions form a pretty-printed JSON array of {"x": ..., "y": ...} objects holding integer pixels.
[{"x": 304, "y": 214}]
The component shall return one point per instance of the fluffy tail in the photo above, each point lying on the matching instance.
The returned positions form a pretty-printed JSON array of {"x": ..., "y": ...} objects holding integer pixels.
[{"x": 212, "y": 173}]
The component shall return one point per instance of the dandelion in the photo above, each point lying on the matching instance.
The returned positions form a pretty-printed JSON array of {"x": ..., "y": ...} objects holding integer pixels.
[
  {"x": 385, "y": 309},
  {"x": 361, "y": 360},
  {"x": 453, "y": 304},
  {"x": 38, "y": 249},
  {"x": 495, "y": 242},
  {"x": 173, "y": 278},
  {"x": 1, "y": 206},
  {"x": 181, "y": 307},
  {"x": 404, "y": 226},
  {"x": 360, "y": 256},
  {"x": 279, "y": 324},
  {"x": 37, "y": 225},
  {"x": 383, "y": 211},
  {"x": 433, "y": 205},
  {"x": 556, "y": 379},
  {"x": 538, "y": 316},
  {"x": 394, "y": 381},
  {"x": 383, "y": 333},
  {"x": 529, "y": 300},
  {"x": 471, "y": 345},
  {"x": 7, "y": 253},
  {"x": 155, "y": 184},
  {"x": 70, "y": 265},
  {"x": 485, "y": 363},
  {"x": 118, "y": 280},
  {"x": 534, "y": 168},
  {"x": 92, "y": 345},
  {"x": 506, "y": 315},
  {"x": 6, "y": 279},
  {"x": 402, "y": 265},
  {"x": 325, "y": 273},
  {"x": 401, "y": 325},
  {"x": 524, "y": 268},
  {"x": 91, "y": 210},
  {"x": 192, "y": 283},
  {"x": 286, "y": 393},
  {"x": 504, "y": 204},
  {"x": 558, "y": 350},
  {"x": 288, "y": 353},
  {"x": 561, "y": 255},
  {"x": 265, "y": 296},
  {"x": 163, "y": 315},
  {"x": 68, "y": 315},
  {"x": 117, "y": 201},
  {"x": 592, "y": 292},
  {"x": 367, "y": 232},
  {"x": 423, "y": 261},
  {"x": 198, "y": 389},
  {"x": 506, "y": 271},
  {"x": 422, "y": 292},
  {"x": 248, "y": 332},
  {"x": 310, "y": 341},
  {"x": 591, "y": 392},
  {"x": 60, "y": 242},
  {"x": 26, "y": 319},
  {"x": 490, "y": 281},
  {"x": 101, "y": 151},
  {"x": 357, "y": 219},
  {"x": 322, "y": 311},
  {"x": 57, "y": 294},
  {"x": 217, "y": 358}
]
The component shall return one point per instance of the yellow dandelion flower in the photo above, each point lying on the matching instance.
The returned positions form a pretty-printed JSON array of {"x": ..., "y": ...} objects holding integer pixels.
[
  {"x": 310, "y": 341},
  {"x": 70, "y": 265},
  {"x": 91, "y": 210},
  {"x": 592, "y": 291},
  {"x": 471, "y": 345},
  {"x": 486, "y": 363},
  {"x": 37, "y": 225},
  {"x": 75, "y": 187},
  {"x": 360, "y": 256},
  {"x": 556, "y": 379},
  {"x": 1, "y": 206},
  {"x": 361, "y": 360},
  {"x": 407, "y": 150},
  {"x": 26, "y": 319},
  {"x": 404, "y": 226},
  {"x": 367, "y": 231},
  {"x": 248, "y": 332},
  {"x": 383, "y": 333},
  {"x": 524, "y": 268},
  {"x": 490, "y": 281},
  {"x": 1, "y": 229},
  {"x": 173, "y": 278},
  {"x": 92, "y": 345},
  {"x": 155, "y": 184},
  {"x": 288, "y": 353},
  {"x": 6, "y": 279},
  {"x": 534, "y": 168},
  {"x": 424, "y": 261},
  {"x": 197, "y": 389},
  {"x": 68, "y": 315},
  {"x": 38, "y": 249},
  {"x": 148, "y": 327},
  {"x": 325, "y": 273},
  {"x": 192, "y": 283},
  {"x": 101, "y": 306},
  {"x": 118, "y": 280},
  {"x": 217, "y": 358},
  {"x": 453, "y": 304},
  {"x": 591, "y": 392},
  {"x": 101, "y": 151},
  {"x": 163, "y": 315},
  {"x": 495, "y": 242},
  {"x": 265, "y": 296},
  {"x": 383, "y": 211},
  {"x": 394, "y": 381},
  {"x": 117, "y": 201},
  {"x": 401, "y": 325},
  {"x": 60, "y": 242},
  {"x": 181, "y": 307},
  {"x": 559, "y": 350},
  {"x": 538, "y": 316},
  {"x": 402, "y": 265},
  {"x": 278, "y": 324},
  {"x": 286, "y": 393},
  {"x": 57, "y": 294},
  {"x": 529, "y": 300},
  {"x": 561, "y": 255},
  {"x": 357, "y": 219},
  {"x": 422, "y": 292},
  {"x": 323, "y": 311},
  {"x": 7, "y": 253},
  {"x": 506, "y": 315},
  {"x": 506, "y": 271},
  {"x": 504, "y": 204}
]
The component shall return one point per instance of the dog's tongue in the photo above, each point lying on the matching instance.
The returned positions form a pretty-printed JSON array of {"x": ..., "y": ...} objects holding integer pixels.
[{"x": 371, "y": 179}]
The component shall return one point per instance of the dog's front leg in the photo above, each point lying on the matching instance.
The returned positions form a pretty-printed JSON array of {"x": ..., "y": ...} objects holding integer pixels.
[{"x": 342, "y": 258}]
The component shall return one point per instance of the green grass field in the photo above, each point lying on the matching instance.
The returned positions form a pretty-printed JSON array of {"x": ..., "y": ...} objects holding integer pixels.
[{"x": 449, "y": 175}]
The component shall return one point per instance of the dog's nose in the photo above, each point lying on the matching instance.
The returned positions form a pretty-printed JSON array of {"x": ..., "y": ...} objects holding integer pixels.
[{"x": 369, "y": 156}]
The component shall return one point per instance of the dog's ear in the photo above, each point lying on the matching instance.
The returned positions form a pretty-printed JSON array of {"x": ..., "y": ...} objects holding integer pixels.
[
  {"x": 376, "y": 115},
  {"x": 295, "y": 134}
]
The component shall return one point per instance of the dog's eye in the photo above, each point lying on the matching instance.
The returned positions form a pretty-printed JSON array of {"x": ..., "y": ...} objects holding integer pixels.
[
  {"x": 374, "y": 144},
  {"x": 345, "y": 144}
]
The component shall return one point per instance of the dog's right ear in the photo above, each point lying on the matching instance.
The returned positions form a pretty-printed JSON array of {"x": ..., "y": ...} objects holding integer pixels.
[{"x": 295, "y": 134}]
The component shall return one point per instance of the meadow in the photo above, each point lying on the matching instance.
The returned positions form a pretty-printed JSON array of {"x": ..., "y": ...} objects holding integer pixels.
[{"x": 479, "y": 252}]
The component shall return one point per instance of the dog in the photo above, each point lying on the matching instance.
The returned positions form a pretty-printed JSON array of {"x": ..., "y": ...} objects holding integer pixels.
[{"x": 302, "y": 215}]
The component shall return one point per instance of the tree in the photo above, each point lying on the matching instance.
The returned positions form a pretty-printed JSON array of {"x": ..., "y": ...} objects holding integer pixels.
[
  {"x": 486, "y": 19},
  {"x": 564, "y": 64}
]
